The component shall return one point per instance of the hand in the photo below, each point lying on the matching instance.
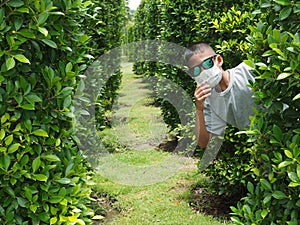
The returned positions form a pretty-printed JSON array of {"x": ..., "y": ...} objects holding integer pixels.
[{"x": 201, "y": 93}]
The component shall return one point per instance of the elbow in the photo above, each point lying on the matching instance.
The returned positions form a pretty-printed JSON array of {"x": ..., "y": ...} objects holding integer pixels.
[
  {"x": 202, "y": 140},
  {"x": 202, "y": 143}
]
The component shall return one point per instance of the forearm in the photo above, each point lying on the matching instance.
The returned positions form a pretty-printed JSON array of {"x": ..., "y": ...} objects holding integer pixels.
[{"x": 202, "y": 135}]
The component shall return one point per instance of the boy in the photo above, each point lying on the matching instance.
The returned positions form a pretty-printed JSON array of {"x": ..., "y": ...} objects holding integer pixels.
[{"x": 221, "y": 96}]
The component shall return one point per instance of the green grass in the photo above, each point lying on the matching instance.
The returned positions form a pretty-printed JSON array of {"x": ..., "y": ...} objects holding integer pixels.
[
  {"x": 150, "y": 186},
  {"x": 141, "y": 158},
  {"x": 163, "y": 202}
]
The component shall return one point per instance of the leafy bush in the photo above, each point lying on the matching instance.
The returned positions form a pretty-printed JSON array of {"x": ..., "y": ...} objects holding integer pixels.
[
  {"x": 274, "y": 194},
  {"x": 45, "y": 46},
  {"x": 104, "y": 23},
  {"x": 267, "y": 162},
  {"x": 186, "y": 22}
]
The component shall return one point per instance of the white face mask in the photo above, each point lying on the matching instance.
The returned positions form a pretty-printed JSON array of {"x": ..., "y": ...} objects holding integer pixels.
[{"x": 211, "y": 76}]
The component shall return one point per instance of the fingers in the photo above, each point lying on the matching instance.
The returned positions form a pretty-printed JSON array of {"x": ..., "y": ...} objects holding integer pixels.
[{"x": 202, "y": 92}]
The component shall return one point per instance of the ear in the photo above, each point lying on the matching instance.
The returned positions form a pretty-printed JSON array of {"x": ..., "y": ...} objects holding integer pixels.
[{"x": 219, "y": 61}]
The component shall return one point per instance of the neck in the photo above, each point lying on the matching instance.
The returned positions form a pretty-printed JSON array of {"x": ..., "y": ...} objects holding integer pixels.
[{"x": 223, "y": 85}]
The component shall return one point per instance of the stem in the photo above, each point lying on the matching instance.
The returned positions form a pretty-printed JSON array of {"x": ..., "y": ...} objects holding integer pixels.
[{"x": 4, "y": 3}]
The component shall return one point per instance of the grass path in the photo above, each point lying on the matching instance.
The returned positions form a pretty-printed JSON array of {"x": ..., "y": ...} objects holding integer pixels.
[{"x": 150, "y": 186}]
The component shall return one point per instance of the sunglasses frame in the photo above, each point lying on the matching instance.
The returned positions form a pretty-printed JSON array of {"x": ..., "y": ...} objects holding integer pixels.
[{"x": 191, "y": 70}]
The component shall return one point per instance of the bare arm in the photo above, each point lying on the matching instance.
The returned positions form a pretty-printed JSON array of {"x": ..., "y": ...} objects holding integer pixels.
[{"x": 202, "y": 135}]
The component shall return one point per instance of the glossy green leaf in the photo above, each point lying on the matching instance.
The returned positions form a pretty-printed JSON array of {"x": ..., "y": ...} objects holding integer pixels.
[
  {"x": 40, "y": 133},
  {"x": 294, "y": 184},
  {"x": 14, "y": 147},
  {"x": 64, "y": 181},
  {"x": 13, "y": 181},
  {"x": 26, "y": 33},
  {"x": 45, "y": 217},
  {"x": 28, "y": 193},
  {"x": 250, "y": 187},
  {"x": 264, "y": 213},
  {"x": 50, "y": 43},
  {"x": 36, "y": 164},
  {"x": 10, "y": 191},
  {"x": 10, "y": 63},
  {"x": 69, "y": 67},
  {"x": 5, "y": 117},
  {"x": 283, "y": 2},
  {"x": 277, "y": 133},
  {"x": 6, "y": 162},
  {"x": 2, "y": 134},
  {"x": 22, "y": 202},
  {"x": 266, "y": 5},
  {"x": 267, "y": 198},
  {"x": 283, "y": 76},
  {"x": 67, "y": 102},
  {"x": 285, "y": 13},
  {"x": 55, "y": 199},
  {"x": 33, "y": 207},
  {"x": 42, "y": 18},
  {"x": 1, "y": 79},
  {"x": 23, "y": 10},
  {"x": 40, "y": 177},
  {"x": 98, "y": 217},
  {"x": 296, "y": 97},
  {"x": 293, "y": 176},
  {"x": 288, "y": 154},
  {"x": 32, "y": 98},
  {"x": 15, "y": 3},
  {"x": 28, "y": 107},
  {"x": 51, "y": 158},
  {"x": 21, "y": 58},
  {"x": 2, "y": 13},
  {"x": 266, "y": 185},
  {"x": 18, "y": 23},
  {"x": 284, "y": 164},
  {"x": 279, "y": 195},
  {"x": 53, "y": 220}
]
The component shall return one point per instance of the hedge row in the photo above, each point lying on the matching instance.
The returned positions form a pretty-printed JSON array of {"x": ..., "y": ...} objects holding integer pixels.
[
  {"x": 273, "y": 196},
  {"x": 262, "y": 163},
  {"x": 183, "y": 23},
  {"x": 44, "y": 47}
]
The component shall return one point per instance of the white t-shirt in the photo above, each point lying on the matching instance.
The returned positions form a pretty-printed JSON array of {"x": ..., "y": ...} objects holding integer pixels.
[{"x": 232, "y": 106}]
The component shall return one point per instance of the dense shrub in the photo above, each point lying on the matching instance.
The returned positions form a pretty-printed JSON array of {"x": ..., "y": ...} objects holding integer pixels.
[
  {"x": 275, "y": 155},
  {"x": 225, "y": 26},
  {"x": 45, "y": 46},
  {"x": 267, "y": 163},
  {"x": 104, "y": 25}
]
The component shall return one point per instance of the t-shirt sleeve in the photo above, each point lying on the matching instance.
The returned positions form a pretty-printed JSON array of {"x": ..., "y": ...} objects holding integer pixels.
[{"x": 214, "y": 124}]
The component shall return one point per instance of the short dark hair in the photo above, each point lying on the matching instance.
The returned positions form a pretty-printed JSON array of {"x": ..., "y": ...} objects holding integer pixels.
[{"x": 196, "y": 47}]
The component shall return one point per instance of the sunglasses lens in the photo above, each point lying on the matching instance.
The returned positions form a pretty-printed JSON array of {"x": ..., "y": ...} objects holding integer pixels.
[
  {"x": 196, "y": 71},
  {"x": 208, "y": 63}
]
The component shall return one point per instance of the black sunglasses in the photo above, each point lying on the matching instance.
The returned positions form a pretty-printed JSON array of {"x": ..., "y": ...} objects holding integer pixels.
[{"x": 206, "y": 64}]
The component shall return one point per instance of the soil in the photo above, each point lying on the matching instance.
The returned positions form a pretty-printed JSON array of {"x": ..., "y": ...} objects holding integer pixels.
[
  {"x": 103, "y": 205},
  {"x": 168, "y": 146},
  {"x": 204, "y": 201},
  {"x": 201, "y": 199}
]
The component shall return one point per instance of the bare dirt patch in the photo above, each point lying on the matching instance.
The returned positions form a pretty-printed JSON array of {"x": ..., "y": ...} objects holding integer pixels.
[{"x": 202, "y": 200}]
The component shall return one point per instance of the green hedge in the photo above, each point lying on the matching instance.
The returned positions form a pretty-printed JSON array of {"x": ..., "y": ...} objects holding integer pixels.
[
  {"x": 185, "y": 22},
  {"x": 264, "y": 161},
  {"x": 273, "y": 196},
  {"x": 45, "y": 46},
  {"x": 104, "y": 24}
]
